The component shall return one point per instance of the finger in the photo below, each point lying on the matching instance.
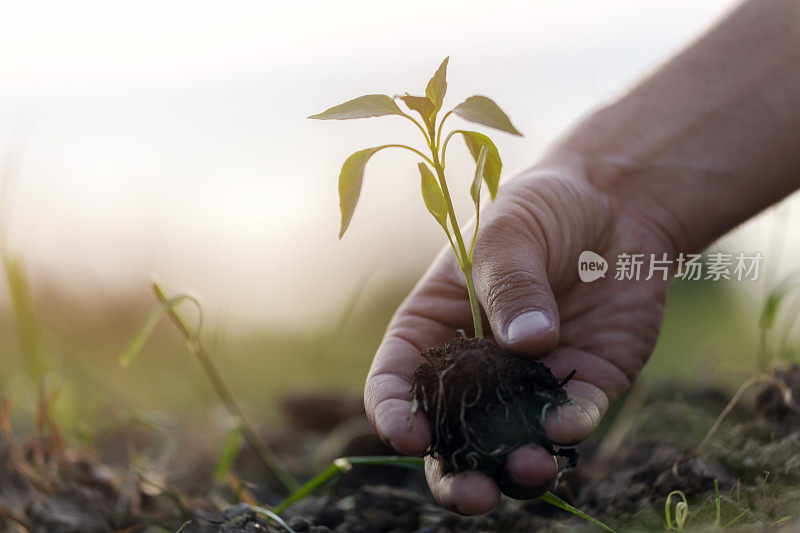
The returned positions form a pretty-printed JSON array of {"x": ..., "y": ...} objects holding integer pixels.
[
  {"x": 595, "y": 383},
  {"x": 387, "y": 397},
  {"x": 511, "y": 282},
  {"x": 468, "y": 493},
  {"x": 571, "y": 423},
  {"x": 429, "y": 317},
  {"x": 528, "y": 473}
]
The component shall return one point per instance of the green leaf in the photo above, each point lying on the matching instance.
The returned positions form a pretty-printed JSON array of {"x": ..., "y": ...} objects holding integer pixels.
[
  {"x": 437, "y": 86},
  {"x": 420, "y": 104},
  {"x": 482, "y": 110},
  {"x": 491, "y": 172},
  {"x": 432, "y": 194},
  {"x": 350, "y": 180},
  {"x": 475, "y": 189},
  {"x": 371, "y": 105}
]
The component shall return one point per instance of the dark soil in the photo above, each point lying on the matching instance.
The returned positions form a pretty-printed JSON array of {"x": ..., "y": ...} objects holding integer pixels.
[
  {"x": 645, "y": 471},
  {"x": 775, "y": 403},
  {"x": 483, "y": 403},
  {"x": 47, "y": 486}
]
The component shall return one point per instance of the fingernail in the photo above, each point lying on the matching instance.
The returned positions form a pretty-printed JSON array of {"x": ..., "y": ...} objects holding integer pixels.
[
  {"x": 569, "y": 423},
  {"x": 528, "y": 326}
]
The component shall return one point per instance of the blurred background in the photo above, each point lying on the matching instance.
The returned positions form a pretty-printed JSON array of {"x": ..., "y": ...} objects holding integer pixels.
[{"x": 170, "y": 140}]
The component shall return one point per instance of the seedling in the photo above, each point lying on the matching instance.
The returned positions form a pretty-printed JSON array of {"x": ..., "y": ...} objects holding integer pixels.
[
  {"x": 676, "y": 518},
  {"x": 681, "y": 511},
  {"x": 435, "y": 192},
  {"x": 482, "y": 402}
]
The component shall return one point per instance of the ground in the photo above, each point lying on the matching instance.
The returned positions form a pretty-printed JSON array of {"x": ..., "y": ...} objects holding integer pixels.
[{"x": 648, "y": 448}]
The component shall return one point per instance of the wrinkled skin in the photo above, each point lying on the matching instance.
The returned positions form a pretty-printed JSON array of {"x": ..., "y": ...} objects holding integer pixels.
[
  {"x": 525, "y": 265},
  {"x": 702, "y": 144}
]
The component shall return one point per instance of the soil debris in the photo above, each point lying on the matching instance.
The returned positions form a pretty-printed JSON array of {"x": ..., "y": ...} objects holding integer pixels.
[{"x": 483, "y": 402}]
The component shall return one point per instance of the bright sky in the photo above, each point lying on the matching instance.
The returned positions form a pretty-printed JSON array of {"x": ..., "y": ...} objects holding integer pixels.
[{"x": 170, "y": 137}]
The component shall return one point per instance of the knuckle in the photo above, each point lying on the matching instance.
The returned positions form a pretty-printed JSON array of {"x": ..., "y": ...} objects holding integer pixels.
[{"x": 510, "y": 287}]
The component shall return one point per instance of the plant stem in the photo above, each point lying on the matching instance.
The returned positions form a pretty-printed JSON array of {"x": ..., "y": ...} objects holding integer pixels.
[
  {"x": 441, "y": 127},
  {"x": 412, "y": 119},
  {"x": 423, "y": 156},
  {"x": 473, "y": 300},
  {"x": 464, "y": 259},
  {"x": 262, "y": 451}
]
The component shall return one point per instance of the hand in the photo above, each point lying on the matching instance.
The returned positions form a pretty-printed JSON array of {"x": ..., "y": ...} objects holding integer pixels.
[{"x": 525, "y": 269}]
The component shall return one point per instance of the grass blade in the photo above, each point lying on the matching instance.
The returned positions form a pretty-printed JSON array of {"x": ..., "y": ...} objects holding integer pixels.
[
  {"x": 259, "y": 447},
  {"x": 138, "y": 342},
  {"x": 555, "y": 501},
  {"x": 227, "y": 457},
  {"x": 737, "y": 517},
  {"x": 272, "y": 515},
  {"x": 343, "y": 464}
]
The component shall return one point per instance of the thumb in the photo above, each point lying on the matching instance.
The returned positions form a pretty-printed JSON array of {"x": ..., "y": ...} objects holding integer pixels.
[{"x": 512, "y": 286}]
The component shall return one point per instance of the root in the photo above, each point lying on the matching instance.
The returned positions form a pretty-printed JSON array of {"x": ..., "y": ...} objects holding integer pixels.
[
  {"x": 414, "y": 409},
  {"x": 473, "y": 458},
  {"x": 542, "y": 416},
  {"x": 464, "y": 432},
  {"x": 504, "y": 403},
  {"x": 568, "y": 378},
  {"x": 438, "y": 425},
  {"x": 482, "y": 403},
  {"x": 478, "y": 395}
]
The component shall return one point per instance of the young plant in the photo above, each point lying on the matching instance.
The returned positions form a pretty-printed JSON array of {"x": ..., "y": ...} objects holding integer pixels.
[
  {"x": 482, "y": 402},
  {"x": 435, "y": 192},
  {"x": 681, "y": 511}
]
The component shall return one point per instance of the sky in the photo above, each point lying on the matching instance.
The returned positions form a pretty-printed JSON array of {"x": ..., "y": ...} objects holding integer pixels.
[{"x": 169, "y": 139}]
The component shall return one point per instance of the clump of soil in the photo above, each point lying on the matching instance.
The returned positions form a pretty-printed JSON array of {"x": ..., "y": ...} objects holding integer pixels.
[{"x": 484, "y": 402}]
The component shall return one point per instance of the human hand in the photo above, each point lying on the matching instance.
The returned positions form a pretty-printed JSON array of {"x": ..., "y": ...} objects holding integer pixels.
[{"x": 525, "y": 270}]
